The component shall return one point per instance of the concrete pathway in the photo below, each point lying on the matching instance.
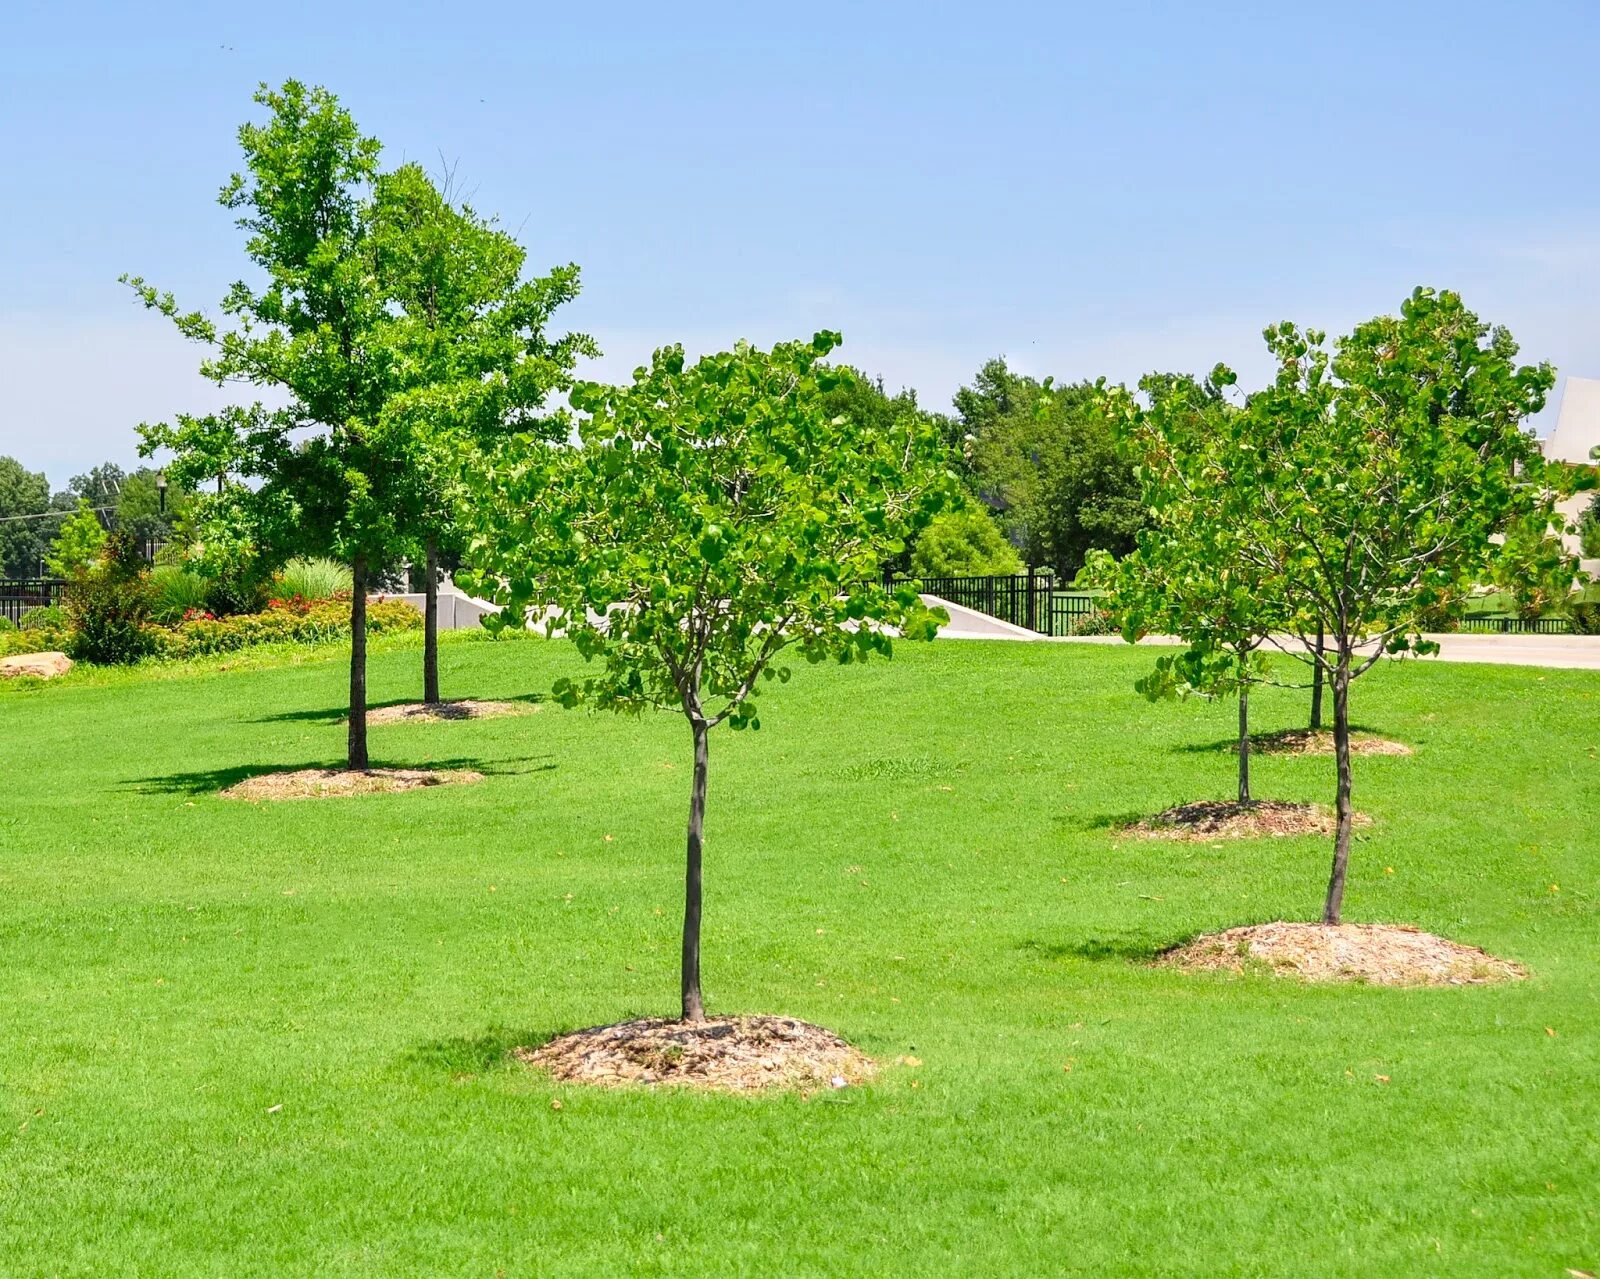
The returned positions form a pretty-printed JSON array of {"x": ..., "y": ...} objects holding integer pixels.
[{"x": 1571, "y": 652}]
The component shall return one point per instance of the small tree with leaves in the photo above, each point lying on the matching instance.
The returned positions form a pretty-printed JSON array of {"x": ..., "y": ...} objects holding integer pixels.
[
  {"x": 715, "y": 516},
  {"x": 1374, "y": 482},
  {"x": 1189, "y": 574}
]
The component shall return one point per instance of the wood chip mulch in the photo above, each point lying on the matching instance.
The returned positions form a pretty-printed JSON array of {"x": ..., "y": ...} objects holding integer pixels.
[
  {"x": 1378, "y": 954},
  {"x": 1304, "y": 741},
  {"x": 735, "y": 1054},
  {"x": 466, "y": 708},
  {"x": 330, "y": 783},
  {"x": 1229, "y": 819}
]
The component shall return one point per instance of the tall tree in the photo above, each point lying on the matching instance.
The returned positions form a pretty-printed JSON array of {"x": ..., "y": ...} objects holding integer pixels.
[
  {"x": 398, "y": 324},
  {"x": 1047, "y": 458},
  {"x": 716, "y": 515},
  {"x": 313, "y": 330},
  {"x": 24, "y": 524},
  {"x": 1374, "y": 482},
  {"x": 475, "y": 364}
]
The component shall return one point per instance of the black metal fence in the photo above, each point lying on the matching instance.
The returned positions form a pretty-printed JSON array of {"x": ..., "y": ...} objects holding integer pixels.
[
  {"x": 1035, "y": 602},
  {"x": 19, "y": 594},
  {"x": 1516, "y": 625},
  {"x": 1032, "y": 601}
]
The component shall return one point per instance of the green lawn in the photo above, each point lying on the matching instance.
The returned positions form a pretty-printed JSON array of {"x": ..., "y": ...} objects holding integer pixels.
[{"x": 243, "y": 1040}]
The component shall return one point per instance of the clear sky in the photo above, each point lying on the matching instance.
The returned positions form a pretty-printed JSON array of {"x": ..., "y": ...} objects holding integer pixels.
[{"x": 1087, "y": 189}]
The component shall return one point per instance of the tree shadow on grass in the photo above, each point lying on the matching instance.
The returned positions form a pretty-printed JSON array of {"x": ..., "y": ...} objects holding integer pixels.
[
  {"x": 1113, "y": 822},
  {"x": 1128, "y": 948},
  {"x": 1227, "y": 744},
  {"x": 337, "y": 714},
  {"x": 208, "y": 781},
  {"x": 474, "y": 1054}
]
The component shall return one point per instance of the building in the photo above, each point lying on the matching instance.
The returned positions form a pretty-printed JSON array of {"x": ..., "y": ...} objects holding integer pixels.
[{"x": 1576, "y": 435}]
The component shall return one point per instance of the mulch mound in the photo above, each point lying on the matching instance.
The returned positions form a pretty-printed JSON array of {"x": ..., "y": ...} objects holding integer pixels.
[
  {"x": 1305, "y": 741},
  {"x": 735, "y": 1054},
  {"x": 411, "y": 712},
  {"x": 1379, "y": 954},
  {"x": 1229, "y": 819},
  {"x": 329, "y": 783}
]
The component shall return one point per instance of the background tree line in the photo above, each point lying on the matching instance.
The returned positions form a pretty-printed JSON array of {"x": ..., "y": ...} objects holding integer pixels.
[{"x": 32, "y": 517}]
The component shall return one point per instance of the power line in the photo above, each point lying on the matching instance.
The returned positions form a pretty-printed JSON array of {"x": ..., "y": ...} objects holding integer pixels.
[{"x": 52, "y": 515}]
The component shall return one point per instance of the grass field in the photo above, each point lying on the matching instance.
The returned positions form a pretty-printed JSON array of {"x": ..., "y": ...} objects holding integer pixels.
[{"x": 247, "y": 1040}]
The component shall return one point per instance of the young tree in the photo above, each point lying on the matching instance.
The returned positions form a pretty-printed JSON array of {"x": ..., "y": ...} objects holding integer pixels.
[
  {"x": 715, "y": 515},
  {"x": 476, "y": 364},
  {"x": 1372, "y": 483},
  {"x": 1190, "y": 575},
  {"x": 79, "y": 543}
]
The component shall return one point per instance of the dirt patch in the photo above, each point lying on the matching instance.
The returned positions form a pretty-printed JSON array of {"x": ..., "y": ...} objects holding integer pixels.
[
  {"x": 1379, "y": 954},
  {"x": 329, "y": 783},
  {"x": 1305, "y": 741},
  {"x": 436, "y": 712},
  {"x": 735, "y": 1054},
  {"x": 1229, "y": 819}
]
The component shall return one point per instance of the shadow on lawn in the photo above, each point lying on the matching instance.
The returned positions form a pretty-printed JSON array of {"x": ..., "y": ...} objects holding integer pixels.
[
  {"x": 1228, "y": 743},
  {"x": 1127, "y": 948},
  {"x": 208, "y": 781},
  {"x": 336, "y": 714},
  {"x": 472, "y": 1054}
]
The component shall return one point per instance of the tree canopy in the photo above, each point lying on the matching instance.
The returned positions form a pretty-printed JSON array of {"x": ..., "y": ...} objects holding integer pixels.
[
  {"x": 1047, "y": 459},
  {"x": 716, "y": 514},
  {"x": 1374, "y": 482}
]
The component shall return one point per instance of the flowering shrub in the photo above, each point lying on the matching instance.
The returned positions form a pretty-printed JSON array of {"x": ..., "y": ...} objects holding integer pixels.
[{"x": 293, "y": 621}]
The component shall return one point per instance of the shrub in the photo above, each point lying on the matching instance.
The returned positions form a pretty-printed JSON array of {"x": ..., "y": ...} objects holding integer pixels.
[
  {"x": 239, "y": 587},
  {"x": 6, "y": 624},
  {"x": 313, "y": 579},
  {"x": 108, "y": 606},
  {"x": 176, "y": 591},
  {"x": 317, "y": 623},
  {"x": 46, "y": 617},
  {"x": 964, "y": 543},
  {"x": 1099, "y": 622}
]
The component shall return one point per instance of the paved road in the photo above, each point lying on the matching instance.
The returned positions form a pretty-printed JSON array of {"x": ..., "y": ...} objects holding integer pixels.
[{"x": 1573, "y": 652}]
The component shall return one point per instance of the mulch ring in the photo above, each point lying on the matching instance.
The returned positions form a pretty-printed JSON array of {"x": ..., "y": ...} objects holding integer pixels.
[
  {"x": 329, "y": 783},
  {"x": 1306, "y": 741},
  {"x": 733, "y": 1054},
  {"x": 1379, "y": 954},
  {"x": 412, "y": 712},
  {"x": 1229, "y": 819}
]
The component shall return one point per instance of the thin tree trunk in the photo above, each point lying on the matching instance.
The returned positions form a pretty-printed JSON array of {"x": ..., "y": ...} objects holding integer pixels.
[
  {"x": 357, "y": 750},
  {"x": 1244, "y": 743},
  {"x": 1316, "y": 686},
  {"x": 1334, "y": 907},
  {"x": 693, "y": 1006},
  {"x": 430, "y": 628}
]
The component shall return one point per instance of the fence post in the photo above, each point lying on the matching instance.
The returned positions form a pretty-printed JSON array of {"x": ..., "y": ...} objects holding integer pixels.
[{"x": 1033, "y": 601}]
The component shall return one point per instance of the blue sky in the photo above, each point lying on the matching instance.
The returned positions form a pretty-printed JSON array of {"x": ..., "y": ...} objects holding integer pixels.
[{"x": 1087, "y": 189}]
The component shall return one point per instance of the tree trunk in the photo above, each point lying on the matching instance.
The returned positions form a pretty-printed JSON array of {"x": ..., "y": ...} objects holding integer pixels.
[
  {"x": 693, "y": 1006},
  {"x": 430, "y": 628},
  {"x": 357, "y": 750},
  {"x": 1334, "y": 907},
  {"x": 1316, "y": 686},
  {"x": 1244, "y": 743}
]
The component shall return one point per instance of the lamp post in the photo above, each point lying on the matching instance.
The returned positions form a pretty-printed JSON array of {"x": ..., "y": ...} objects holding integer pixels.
[{"x": 161, "y": 490}]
